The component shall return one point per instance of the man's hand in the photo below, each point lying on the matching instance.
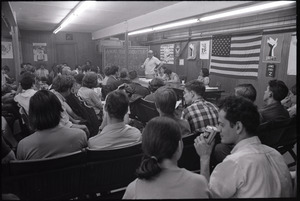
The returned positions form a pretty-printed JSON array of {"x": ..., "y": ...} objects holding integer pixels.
[{"x": 203, "y": 149}]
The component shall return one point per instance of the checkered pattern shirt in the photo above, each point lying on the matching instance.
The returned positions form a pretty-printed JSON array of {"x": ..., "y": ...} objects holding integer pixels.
[{"x": 200, "y": 114}]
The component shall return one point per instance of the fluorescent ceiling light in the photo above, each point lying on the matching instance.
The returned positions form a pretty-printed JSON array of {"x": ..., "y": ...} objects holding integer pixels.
[
  {"x": 176, "y": 24},
  {"x": 247, "y": 10},
  {"x": 140, "y": 31},
  {"x": 80, "y": 7}
]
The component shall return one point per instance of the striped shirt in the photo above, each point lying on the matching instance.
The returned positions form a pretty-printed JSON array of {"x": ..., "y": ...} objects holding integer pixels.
[{"x": 200, "y": 114}]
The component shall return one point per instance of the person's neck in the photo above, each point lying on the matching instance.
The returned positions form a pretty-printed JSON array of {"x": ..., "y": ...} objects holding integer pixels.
[
  {"x": 197, "y": 97},
  {"x": 111, "y": 120},
  {"x": 170, "y": 164},
  {"x": 270, "y": 101}
]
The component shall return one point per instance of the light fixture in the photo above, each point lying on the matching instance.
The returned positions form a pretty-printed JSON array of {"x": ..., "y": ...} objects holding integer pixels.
[
  {"x": 79, "y": 8},
  {"x": 166, "y": 26},
  {"x": 247, "y": 10}
]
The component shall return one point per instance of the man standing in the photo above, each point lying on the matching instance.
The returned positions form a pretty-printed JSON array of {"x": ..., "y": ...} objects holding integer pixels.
[
  {"x": 150, "y": 64},
  {"x": 252, "y": 170}
]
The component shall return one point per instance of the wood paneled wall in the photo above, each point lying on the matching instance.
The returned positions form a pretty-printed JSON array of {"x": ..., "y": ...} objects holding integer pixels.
[{"x": 85, "y": 46}]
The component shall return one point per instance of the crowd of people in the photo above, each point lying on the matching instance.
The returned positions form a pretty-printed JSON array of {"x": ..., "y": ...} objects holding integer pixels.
[{"x": 64, "y": 105}]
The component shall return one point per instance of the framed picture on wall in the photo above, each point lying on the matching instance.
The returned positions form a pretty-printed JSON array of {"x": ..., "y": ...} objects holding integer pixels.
[
  {"x": 191, "y": 51},
  {"x": 69, "y": 36},
  {"x": 7, "y": 51}
]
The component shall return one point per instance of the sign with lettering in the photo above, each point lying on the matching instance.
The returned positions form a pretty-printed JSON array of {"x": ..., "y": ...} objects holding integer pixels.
[{"x": 270, "y": 72}]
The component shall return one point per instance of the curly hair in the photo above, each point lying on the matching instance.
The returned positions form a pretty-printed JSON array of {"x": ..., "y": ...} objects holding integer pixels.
[
  {"x": 241, "y": 109},
  {"x": 197, "y": 86},
  {"x": 62, "y": 83},
  {"x": 90, "y": 80},
  {"x": 27, "y": 80}
]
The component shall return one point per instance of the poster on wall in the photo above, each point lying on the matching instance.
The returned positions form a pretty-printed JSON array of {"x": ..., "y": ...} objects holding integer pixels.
[
  {"x": 40, "y": 52},
  {"x": 292, "y": 63},
  {"x": 177, "y": 49},
  {"x": 204, "y": 49},
  {"x": 167, "y": 53},
  {"x": 272, "y": 48},
  {"x": 191, "y": 51},
  {"x": 7, "y": 51}
]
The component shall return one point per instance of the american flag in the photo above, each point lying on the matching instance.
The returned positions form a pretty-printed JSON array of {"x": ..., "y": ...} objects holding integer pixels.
[{"x": 236, "y": 56}]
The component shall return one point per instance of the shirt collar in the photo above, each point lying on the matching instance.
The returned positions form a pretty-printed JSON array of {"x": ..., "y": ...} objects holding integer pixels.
[
  {"x": 244, "y": 142},
  {"x": 198, "y": 100},
  {"x": 113, "y": 126}
]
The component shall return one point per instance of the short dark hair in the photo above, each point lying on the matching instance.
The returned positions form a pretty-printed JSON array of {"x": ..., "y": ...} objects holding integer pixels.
[
  {"x": 294, "y": 89},
  {"x": 62, "y": 83},
  {"x": 279, "y": 89},
  {"x": 27, "y": 80},
  {"x": 90, "y": 80},
  {"x": 113, "y": 70},
  {"x": 132, "y": 74},
  {"x": 165, "y": 100},
  {"x": 107, "y": 71},
  {"x": 155, "y": 83},
  {"x": 79, "y": 78},
  {"x": 246, "y": 91},
  {"x": 241, "y": 109},
  {"x": 123, "y": 73},
  {"x": 205, "y": 72},
  {"x": 168, "y": 71},
  {"x": 197, "y": 86},
  {"x": 6, "y": 68},
  {"x": 160, "y": 141},
  {"x": 117, "y": 103},
  {"x": 44, "y": 110}
]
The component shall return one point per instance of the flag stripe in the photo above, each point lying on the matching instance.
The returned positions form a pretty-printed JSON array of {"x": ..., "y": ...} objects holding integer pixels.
[
  {"x": 234, "y": 76},
  {"x": 234, "y": 68},
  {"x": 236, "y": 56}
]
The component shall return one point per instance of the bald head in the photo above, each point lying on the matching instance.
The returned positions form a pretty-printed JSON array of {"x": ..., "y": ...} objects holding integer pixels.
[{"x": 150, "y": 53}]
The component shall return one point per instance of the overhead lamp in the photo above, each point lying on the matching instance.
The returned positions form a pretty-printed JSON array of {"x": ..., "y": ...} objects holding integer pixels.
[
  {"x": 247, "y": 10},
  {"x": 79, "y": 8},
  {"x": 166, "y": 26}
]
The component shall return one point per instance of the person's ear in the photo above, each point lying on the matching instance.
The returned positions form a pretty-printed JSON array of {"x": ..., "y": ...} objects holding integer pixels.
[{"x": 239, "y": 127}]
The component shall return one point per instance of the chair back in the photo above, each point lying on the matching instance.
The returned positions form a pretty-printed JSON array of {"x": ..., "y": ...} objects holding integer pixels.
[
  {"x": 51, "y": 178},
  {"x": 143, "y": 110},
  {"x": 108, "y": 170},
  {"x": 189, "y": 159}
]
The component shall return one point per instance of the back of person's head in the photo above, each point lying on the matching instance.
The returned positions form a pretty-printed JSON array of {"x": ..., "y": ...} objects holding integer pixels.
[
  {"x": 132, "y": 74},
  {"x": 27, "y": 80},
  {"x": 90, "y": 80},
  {"x": 243, "y": 110},
  {"x": 197, "y": 86},
  {"x": 62, "y": 83},
  {"x": 205, "y": 72},
  {"x": 79, "y": 78},
  {"x": 107, "y": 71},
  {"x": 5, "y": 68},
  {"x": 168, "y": 71},
  {"x": 113, "y": 70},
  {"x": 294, "y": 89},
  {"x": 123, "y": 73},
  {"x": 116, "y": 104},
  {"x": 160, "y": 141},
  {"x": 279, "y": 89},
  {"x": 246, "y": 91},
  {"x": 66, "y": 70},
  {"x": 44, "y": 110},
  {"x": 165, "y": 100},
  {"x": 155, "y": 83}
]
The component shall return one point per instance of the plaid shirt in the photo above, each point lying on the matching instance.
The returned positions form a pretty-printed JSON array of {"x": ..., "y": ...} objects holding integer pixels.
[{"x": 200, "y": 114}]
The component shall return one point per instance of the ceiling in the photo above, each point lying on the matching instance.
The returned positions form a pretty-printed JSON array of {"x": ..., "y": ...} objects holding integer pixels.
[{"x": 46, "y": 15}]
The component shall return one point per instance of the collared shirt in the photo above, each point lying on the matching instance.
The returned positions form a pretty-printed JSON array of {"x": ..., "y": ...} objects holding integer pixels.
[
  {"x": 252, "y": 170},
  {"x": 91, "y": 98},
  {"x": 200, "y": 114},
  {"x": 24, "y": 98},
  {"x": 150, "y": 64},
  {"x": 116, "y": 135},
  {"x": 273, "y": 111},
  {"x": 65, "y": 119}
]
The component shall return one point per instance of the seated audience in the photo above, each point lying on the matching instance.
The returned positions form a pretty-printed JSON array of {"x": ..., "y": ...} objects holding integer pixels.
[
  {"x": 50, "y": 139},
  {"x": 199, "y": 112},
  {"x": 124, "y": 78},
  {"x": 159, "y": 176},
  {"x": 204, "y": 76},
  {"x": 159, "y": 73},
  {"x": 273, "y": 109},
  {"x": 116, "y": 133},
  {"x": 87, "y": 93},
  {"x": 61, "y": 87},
  {"x": 113, "y": 75},
  {"x": 78, "y": 82},
  {"x": 165, "y": 101},
  {"x": 154, "y": 84},
  {"x": 246, "y": 91},
  {"x": 290, "y": 101},
  {"x": 27, "y": 83},
  {"x": 107, "y": 74},
  {"x": 137, "y": 88},
  {"x": 252, "y": 170},
  {"x": 171, "y": 77}
]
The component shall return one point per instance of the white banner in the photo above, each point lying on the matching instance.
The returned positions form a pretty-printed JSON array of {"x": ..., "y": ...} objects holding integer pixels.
[
  {"x": 292, "y": 64},
  {"x": 204, "y": 49},
  {"x": 167, "y": 53},
  {"x": 40, "y": 52},
  {"x": 7, "y": 51}
]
